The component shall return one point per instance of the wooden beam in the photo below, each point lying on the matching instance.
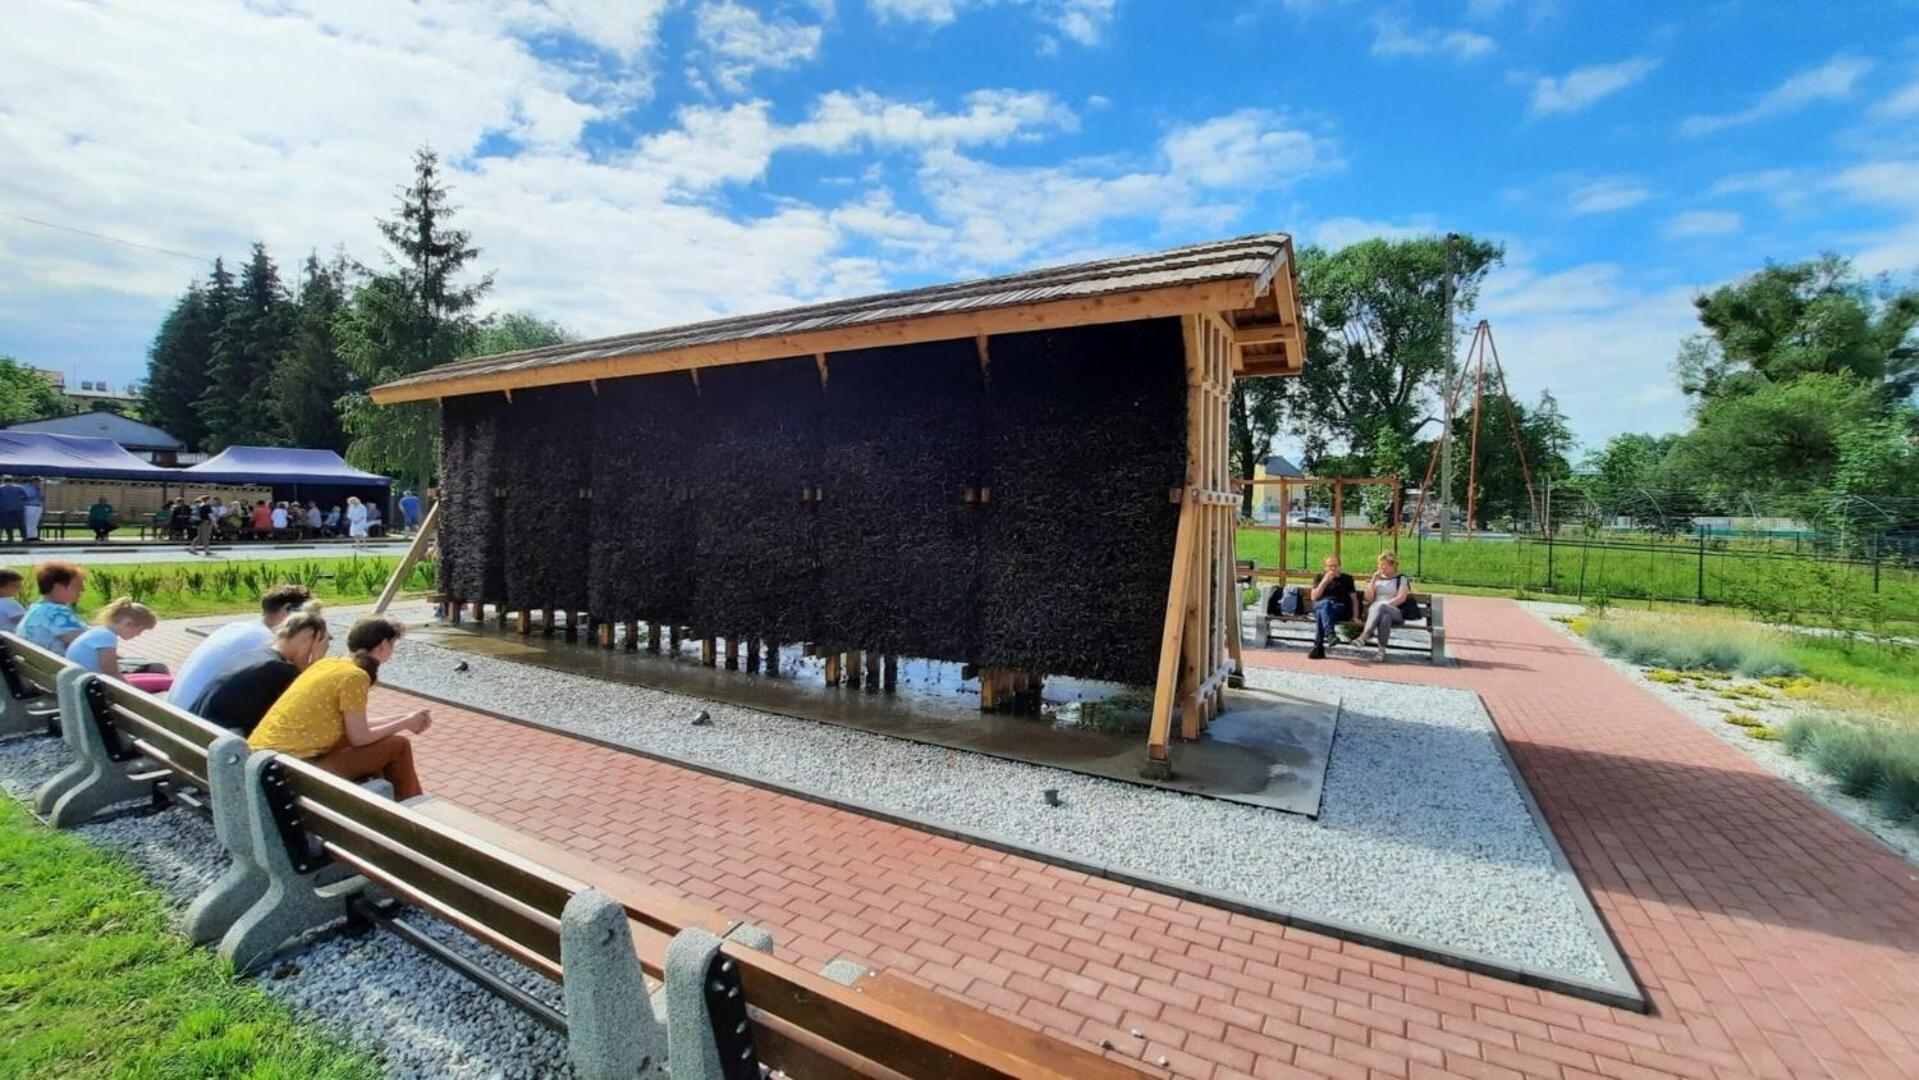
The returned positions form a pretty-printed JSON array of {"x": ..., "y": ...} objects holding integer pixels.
[
  {"x": 1166, "y": 684},
  {"x": 1226, "y": 295},
  {"x": 1264, "y": 334},
  {"x": 412, "y": 557}
]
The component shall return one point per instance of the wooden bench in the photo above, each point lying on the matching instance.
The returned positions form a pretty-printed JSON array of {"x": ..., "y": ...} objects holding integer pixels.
[
  {"x": 639, "y": 969},
  {"x": 1431, "y": 624},
  {"x": 32, "y": 676}
]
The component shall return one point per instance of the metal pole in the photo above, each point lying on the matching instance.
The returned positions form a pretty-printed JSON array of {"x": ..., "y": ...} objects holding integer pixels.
[
  {"x": 1701, "y": 588},
  {"x": 1446, "y": 432}
]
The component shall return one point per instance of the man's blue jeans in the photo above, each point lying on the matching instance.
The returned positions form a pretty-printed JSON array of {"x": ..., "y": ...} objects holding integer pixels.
[{"x": 1327, "y": 614}]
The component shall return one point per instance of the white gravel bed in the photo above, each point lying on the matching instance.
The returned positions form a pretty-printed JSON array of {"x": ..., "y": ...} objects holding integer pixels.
[
  {"x": 1422, "y": 832},
  {"x": 1710, "y": 713},
  {"x": 373, "y": 991}
]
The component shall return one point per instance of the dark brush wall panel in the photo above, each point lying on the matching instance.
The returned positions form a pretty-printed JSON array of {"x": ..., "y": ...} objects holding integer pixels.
[
  {"x": 898, "y": 544},
  {"x": 546, "y": 462},
  {"x": 1086, "y": 435},
  {"x": 754, "y": 569},
  {"x": 472, "y": 545},
  {"x": 644, "y": 486}
]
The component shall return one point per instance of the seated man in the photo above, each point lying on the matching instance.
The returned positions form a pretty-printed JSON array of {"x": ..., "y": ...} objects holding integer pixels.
[
  {"x": 1332, "y": 598},
  {"x": 233, "y": 639},
  {"x": 251, "y": 682}
]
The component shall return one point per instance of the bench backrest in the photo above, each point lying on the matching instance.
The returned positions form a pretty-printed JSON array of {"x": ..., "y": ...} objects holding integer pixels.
[
  {"x": 804, "y": 1023},
  {"x": 175, "y": 739},
  {"x": 30, "y": 670}
]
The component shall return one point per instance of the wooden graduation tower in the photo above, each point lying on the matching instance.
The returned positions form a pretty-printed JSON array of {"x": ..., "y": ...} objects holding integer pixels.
[{"x": 977, "y": 472}]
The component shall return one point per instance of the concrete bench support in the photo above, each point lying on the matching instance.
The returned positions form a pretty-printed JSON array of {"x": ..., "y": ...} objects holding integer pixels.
[
  {"x": 104, "y": 782},
  {"x": 611, "y": 1029},
  {"x": 689, "y": 1018},
  {"x": 72, "y": 705},
  {"x": 295, "y": 901},
  {"x": 222, "y": 903}
]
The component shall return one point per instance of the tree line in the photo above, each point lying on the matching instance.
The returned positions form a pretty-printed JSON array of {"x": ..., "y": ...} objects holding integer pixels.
[
  {"x": 1800, "y": 380},
  {"x": 245, "y": 359}
]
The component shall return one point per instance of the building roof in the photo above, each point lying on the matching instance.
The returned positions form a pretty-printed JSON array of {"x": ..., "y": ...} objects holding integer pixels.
[
  {"x": 33, "y": 453},
  {"x": 130, "y": 433},
  {"x": 1279, "y": 466},
  {"x": 281, "y": 465},
  {"x": 1251, "y": 276}
]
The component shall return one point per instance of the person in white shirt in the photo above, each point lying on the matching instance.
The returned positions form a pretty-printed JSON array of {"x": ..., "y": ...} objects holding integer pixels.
[
  {"x": 11, "y": 611},
  {"x": 279, "y": 516},
  {"x": 356, "y": 520},
  {"x": 233, "y": 639}
]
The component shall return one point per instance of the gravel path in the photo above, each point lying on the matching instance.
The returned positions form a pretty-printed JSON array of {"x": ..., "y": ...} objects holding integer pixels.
[
  {"x": 1710, "y": 712},
  {"x": 375, "y": 991},
  {"x": 1422, "y": 832}
]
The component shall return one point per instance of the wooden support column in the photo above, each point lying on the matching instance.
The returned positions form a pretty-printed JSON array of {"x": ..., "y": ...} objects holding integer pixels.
[
  {"x": 606, "y": 633},
  {"x": 890, "y": 677},
  {"x": 572, "y": 626},
  {"x": 499, "y": 615},
  {"x": 988, "y": 689},
  {"x": 732, "y": 654},
  {"x": 524, "y": 622},
  {"x": 872, "y": 670},
  {"x": 455, "y": 608},
  {"x": 653, "y": 637},
  {"x": 772, "y": 657},
  {"x": 832, "y": 669},
  {"x": 632, "y": 636},
  {"x": 673, "y": 637},
  {"x": 850, "y": 668},
  {"x": 753, "y": 655},
  {"x": 706, "y": 651},
  {"x": 1339, "y": 514}
]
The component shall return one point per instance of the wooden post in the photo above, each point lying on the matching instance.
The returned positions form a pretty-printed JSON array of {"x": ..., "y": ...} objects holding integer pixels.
[
  {"x": 988, "y": 689},
  {"x": 499, "y": 615},
  {"x": 414, "y": 550},
  {"x": 706, "y": 651},
  {"x": 832, "y": 669},
  {"x": 1339, "y": 514},
  {"x": 732, "y": 654},
  {"x": 455, "y": 607},
  {"x": 872, "y": 670},
  {"x": 653, "y": 637},
  {"x": 850, "y": 668},
  {"x": 890, "y": 677},
  {"x": 673, "y": 637},
  {"x": 572, "y": 626},
  {"x": 525, "y": 622},
  {"x": 606, "y": 633},
  {"x": 632, "y": 636},
  {"x": 772, "y": 657}
]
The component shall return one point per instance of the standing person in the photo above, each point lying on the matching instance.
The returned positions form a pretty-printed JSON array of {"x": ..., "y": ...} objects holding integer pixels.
[
  {"x": 356, "y": 520},
  {"x": 410, "y": 510},
  {"x": 1332, "y": 598},
  {"x": 13, "y": 509},
  {"x": 1391, "y": 595},
  {"x": 98, "y": 649},
  {"x": 34, "y": 508},
  {"x": 322, "y": 717},
  {"x": 234, "y": 638},
  {"x": 100, "y": 519},
  {"x": 51, "y": 623},
  {"x": 202, "y": 527},
  {"x": 240, "y": 694},
  {"x": 11, "y": 612},
  {"x": 180, "y": 520}
]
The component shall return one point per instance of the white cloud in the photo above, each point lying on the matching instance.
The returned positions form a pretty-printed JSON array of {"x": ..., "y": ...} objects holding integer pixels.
[
  {"x": 741, "y": 41},
  {"x": 1606, "y": 196},
  {"x": 1339, "y": 232},
  {"x": 1011, "y": 214},
  {"x": 1832, "y": 81},
  {"x": 1486, "y": 9},
  {"x": 1902, "y": 102},
  {"x": 1582, "y": 87},
  {"x": 1394, "y": 36},
  {"x": 1695, "y": 223},
  {"x": 1085, "y": 22}
]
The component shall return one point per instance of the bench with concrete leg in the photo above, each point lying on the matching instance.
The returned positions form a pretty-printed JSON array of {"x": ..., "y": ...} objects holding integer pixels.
[
  {"x": 31, "y": 677},
  {"x": 1432, "y": 621}
]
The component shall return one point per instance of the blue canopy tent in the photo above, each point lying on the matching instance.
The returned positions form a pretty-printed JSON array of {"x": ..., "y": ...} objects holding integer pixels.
[
  {"x": 32, "y": 453},
  {"x": 306, "y": 475}
]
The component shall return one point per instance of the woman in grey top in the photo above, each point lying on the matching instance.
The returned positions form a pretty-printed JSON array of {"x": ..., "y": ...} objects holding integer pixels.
[{"x": 1390, "y": 596}]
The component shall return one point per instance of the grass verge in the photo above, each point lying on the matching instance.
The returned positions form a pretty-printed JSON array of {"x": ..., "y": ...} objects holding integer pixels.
[
  {"x": 95, "y": 982},
  {"x": 1679, "y": 643},
  {"x": 179, "y": 590}
]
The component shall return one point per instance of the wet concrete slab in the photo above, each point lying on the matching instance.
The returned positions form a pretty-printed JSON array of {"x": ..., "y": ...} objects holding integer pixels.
[{"x": 1266, "y": 749}]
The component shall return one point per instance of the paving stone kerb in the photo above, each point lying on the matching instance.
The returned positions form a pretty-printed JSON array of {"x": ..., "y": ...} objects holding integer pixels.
[{"x": 1772, "y": 937}]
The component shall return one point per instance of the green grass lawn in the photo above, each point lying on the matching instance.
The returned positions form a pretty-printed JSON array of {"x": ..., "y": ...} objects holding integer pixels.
[
  {"x": 95, "y": 982},
  {"x": 187, "y": 588}
]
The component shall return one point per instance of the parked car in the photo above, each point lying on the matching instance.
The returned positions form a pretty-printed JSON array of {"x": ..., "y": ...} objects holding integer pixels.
[{"x": 1307, "y": 517}]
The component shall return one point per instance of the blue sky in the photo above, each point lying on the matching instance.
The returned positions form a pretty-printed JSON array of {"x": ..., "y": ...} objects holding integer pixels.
[{"x": 658, "y": 161}]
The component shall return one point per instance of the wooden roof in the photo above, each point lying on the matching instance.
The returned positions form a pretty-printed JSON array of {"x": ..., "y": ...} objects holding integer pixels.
[{"x": 1251, "y": 280}]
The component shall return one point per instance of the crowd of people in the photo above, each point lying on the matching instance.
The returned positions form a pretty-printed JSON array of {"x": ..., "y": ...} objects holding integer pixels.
[
  {"x": 206, "y": 519},
  {"x": 270, "y": 679}
]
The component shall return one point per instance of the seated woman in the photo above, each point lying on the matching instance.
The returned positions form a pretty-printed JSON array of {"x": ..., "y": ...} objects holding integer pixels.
[
  {"x": 100, "y": 518},
  {"x": 249, "y": 684},
  {"x": 1391, "y": 596},
  {"x": 98, "y": 649},
  {"x": 322, "y": 716}
]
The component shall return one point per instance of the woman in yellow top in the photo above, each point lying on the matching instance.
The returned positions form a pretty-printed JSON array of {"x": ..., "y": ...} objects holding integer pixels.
[{"x": 322, "y": 716}]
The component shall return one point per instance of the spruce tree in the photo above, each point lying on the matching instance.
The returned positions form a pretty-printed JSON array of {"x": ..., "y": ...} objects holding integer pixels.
[
  {"x": 237, "y": 404},
  {"x": 177, "y": 368},
  {"x": 410, "y": 317},
  {"x": 311, "y": 378}
]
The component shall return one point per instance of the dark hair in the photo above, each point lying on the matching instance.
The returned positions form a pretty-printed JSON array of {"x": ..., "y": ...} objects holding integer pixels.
[
  {"x": 369, "y": 634},
  {"x": 283, "y": 598},
  {"x": 8, "y": 576},
  {"x": 54, "y": 573}
]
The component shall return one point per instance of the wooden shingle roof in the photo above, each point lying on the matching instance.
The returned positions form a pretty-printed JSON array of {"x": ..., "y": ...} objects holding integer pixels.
[{"x": 1250, "y": 277}]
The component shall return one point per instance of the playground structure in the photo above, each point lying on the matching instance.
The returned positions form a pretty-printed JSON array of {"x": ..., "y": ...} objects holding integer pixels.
[
  {"x": 1339, "y": 484},
  {"x": 1474, "y": 371},
  {"x": 901, "y": 476}
]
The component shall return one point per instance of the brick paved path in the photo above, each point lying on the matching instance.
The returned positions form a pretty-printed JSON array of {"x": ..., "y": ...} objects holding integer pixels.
[{"x": 1773, "y": 938}]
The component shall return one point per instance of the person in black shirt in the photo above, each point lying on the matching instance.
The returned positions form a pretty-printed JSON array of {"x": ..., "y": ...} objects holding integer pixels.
[
  {"x": 251, "y": 682},
  {"x": 1332, "y": 605}
]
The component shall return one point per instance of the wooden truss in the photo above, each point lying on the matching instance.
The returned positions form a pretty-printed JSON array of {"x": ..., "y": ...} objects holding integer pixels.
[{"x": 1199, "y": 644}]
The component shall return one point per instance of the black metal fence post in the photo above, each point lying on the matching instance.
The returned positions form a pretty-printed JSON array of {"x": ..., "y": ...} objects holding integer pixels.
[{"x": 1701, "y": 588}]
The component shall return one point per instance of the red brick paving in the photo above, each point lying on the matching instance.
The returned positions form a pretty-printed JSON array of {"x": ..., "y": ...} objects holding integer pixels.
[{"x": 1772, "y": 938}]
